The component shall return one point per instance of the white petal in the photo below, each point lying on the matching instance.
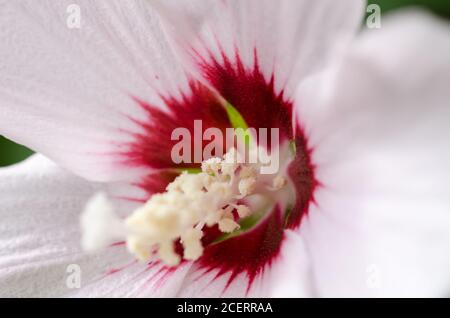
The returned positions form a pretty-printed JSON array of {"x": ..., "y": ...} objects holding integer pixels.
[
  {"x": 199, "y": 283},
  {"x": 381, "y": 138},
  {"x": 136, "y": 280},
  {"x": 40, "y": 241},
  {"x": 292, "y": 37},
  {"x": 287, "y": 276},
  {"x": 291, "y": 273},
  {"x": 68, "y": 92}
]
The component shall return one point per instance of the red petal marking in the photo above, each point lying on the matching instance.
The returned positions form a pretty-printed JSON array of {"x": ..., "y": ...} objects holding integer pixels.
[
  {"x": 152, "y": 148},
  {"x": 251, "y": 94},
  {"x": 248, "y": 253},
  {"x": 301, "y": 172},
  {"x": 255, "y": 98},
  {"x": 157, "y": 182}
]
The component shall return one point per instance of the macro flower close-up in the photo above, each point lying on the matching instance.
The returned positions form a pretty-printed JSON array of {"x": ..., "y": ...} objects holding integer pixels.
[{"x": 234, "y": 148}]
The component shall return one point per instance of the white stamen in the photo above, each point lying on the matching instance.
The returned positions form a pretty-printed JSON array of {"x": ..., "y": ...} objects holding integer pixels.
[
  {"x": 278, "y": 182},
  {"x": 243, "y": 211},
  {"x": 100, "y": 226},
  {"x": 166, "y": 253},
  {"x": 193, "y": 247},
  {"x": 191, "y": 202},
  {"x": 142, "y": 250},
  {"x": 248, "y": 172},
  {"x": 212, "y": 166},
  {"x": 247, "y": 186},
  {"x": 214, "y": 218},
  {"x": 227, "y": 225}
]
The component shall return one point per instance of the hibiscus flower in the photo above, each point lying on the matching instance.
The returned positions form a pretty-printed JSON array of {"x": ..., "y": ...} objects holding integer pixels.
[{"x": 360, "y": 206}]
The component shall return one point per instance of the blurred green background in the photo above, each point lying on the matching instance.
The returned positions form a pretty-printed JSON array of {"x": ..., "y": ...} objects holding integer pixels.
[{"x": 11, "y": 153}]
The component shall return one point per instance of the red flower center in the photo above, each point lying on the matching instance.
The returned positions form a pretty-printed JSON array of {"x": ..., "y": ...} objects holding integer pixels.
[{"x": 254, "y": 97}]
